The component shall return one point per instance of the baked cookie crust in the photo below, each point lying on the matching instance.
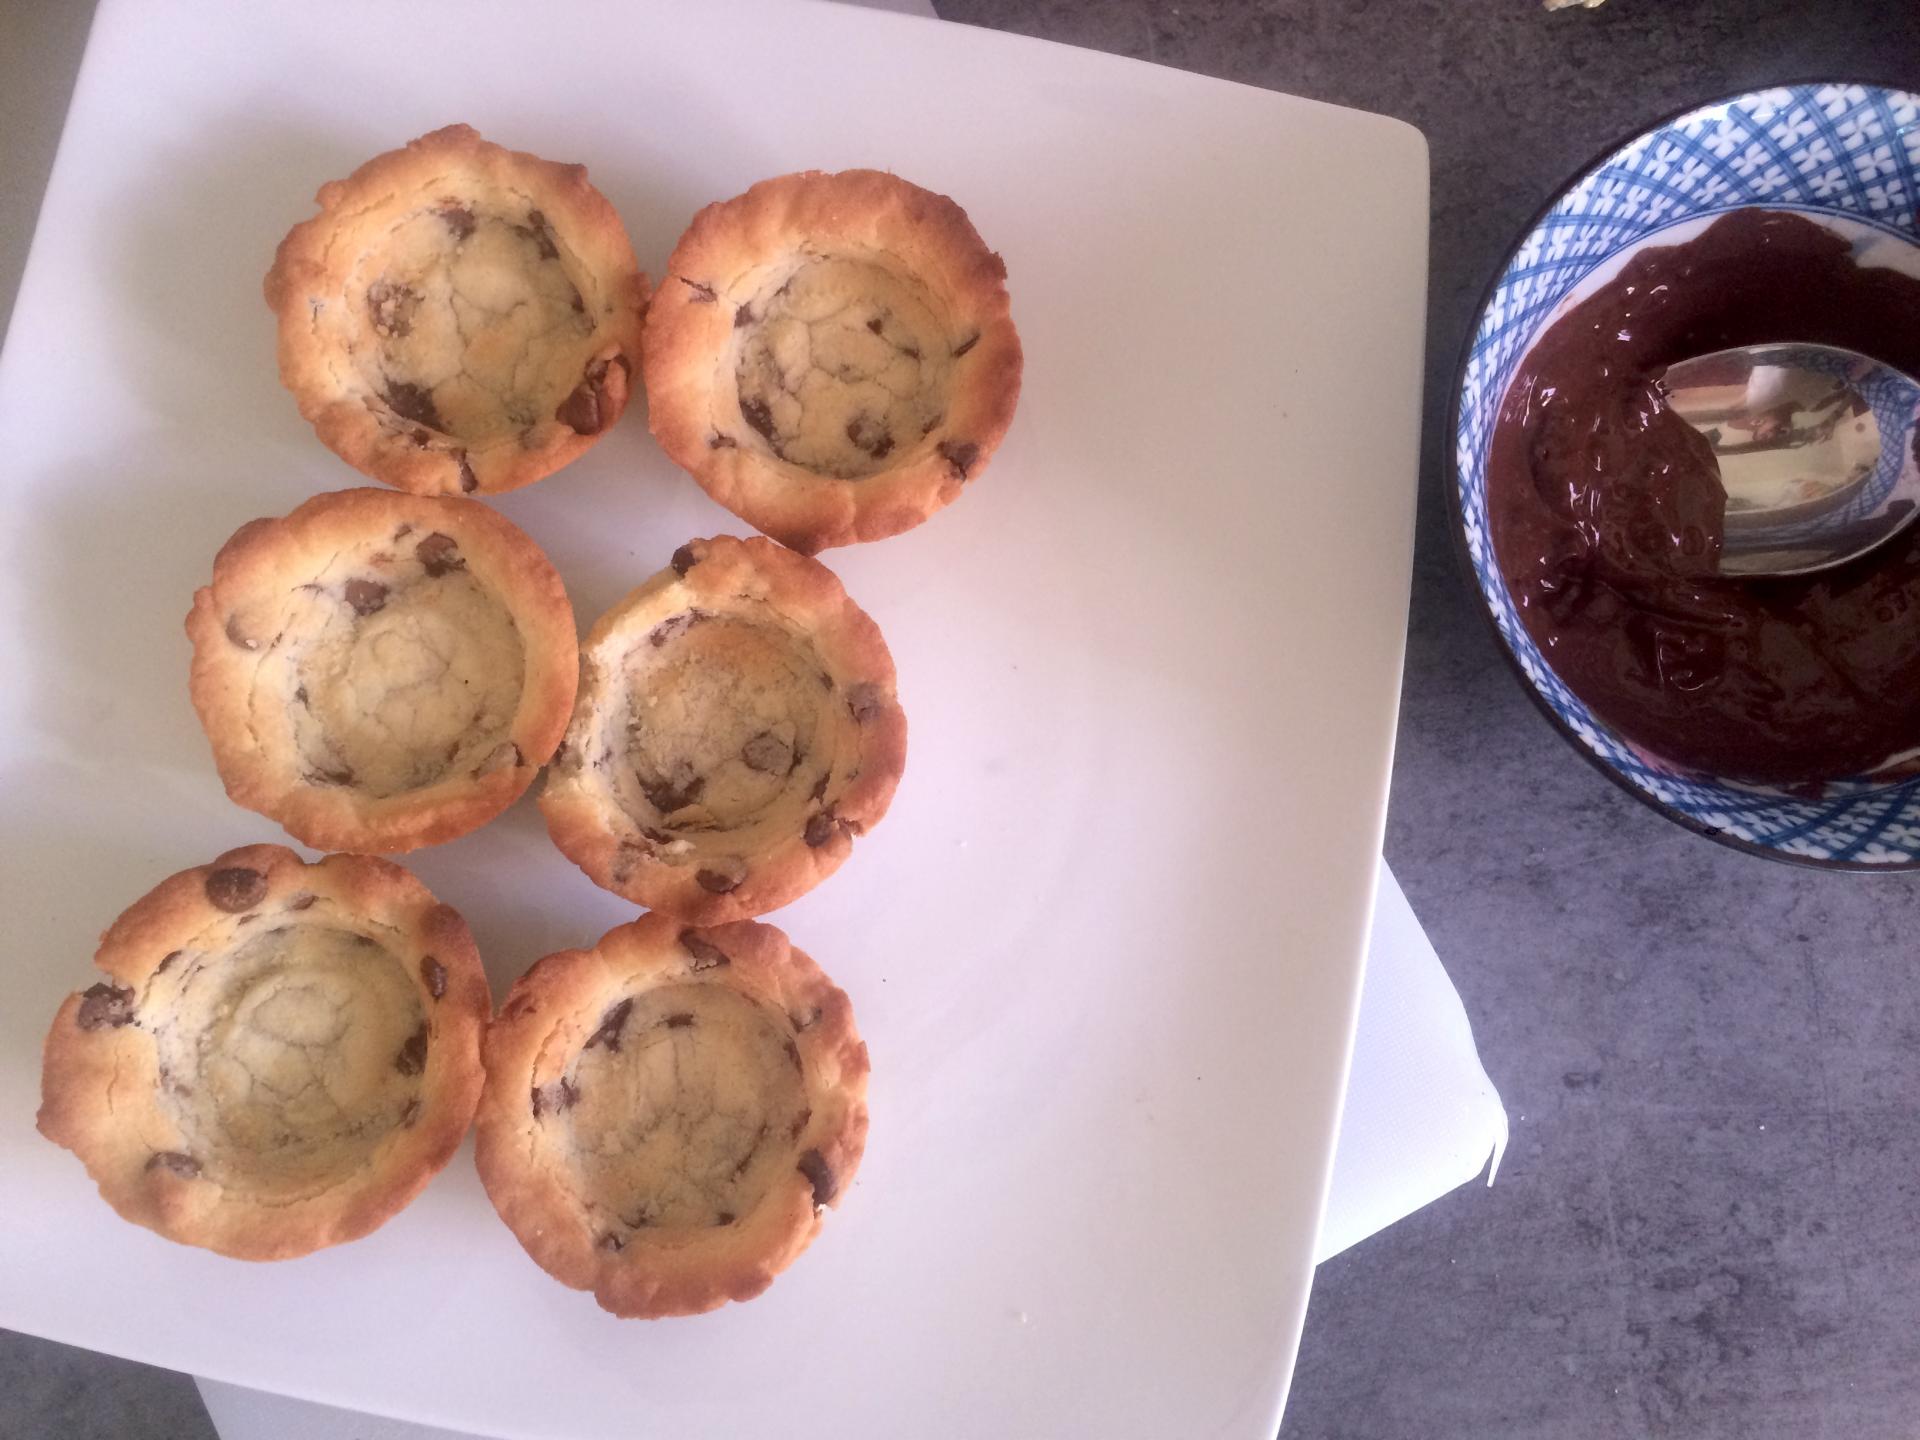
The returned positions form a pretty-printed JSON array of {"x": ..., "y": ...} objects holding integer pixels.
[
  {"x": 832, "y": 356},
  {"x": 667, "y": 1113},
  {"x": 736, "y": 728},
  {"x": 280, "y": 1058},
  {"x": 379, "y": 671},
  {"x": 459, "y": 318}
]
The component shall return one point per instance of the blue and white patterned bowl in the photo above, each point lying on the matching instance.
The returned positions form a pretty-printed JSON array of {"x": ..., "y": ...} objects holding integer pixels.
[{"x": 1848, "y": 155}]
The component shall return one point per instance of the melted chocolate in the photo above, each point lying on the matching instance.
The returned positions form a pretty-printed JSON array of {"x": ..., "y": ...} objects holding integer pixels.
[{"x": 1605, "y": 511}]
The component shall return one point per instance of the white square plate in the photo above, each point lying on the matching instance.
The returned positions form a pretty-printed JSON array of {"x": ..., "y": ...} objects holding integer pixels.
[{"x": 1105, "y": 950}]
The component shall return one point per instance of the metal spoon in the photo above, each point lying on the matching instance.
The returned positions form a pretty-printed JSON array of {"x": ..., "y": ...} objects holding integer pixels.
[{"x": 1815, "y": 447}]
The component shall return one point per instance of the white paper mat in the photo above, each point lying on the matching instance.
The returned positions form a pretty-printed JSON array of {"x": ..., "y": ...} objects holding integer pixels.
[{"x": 1421, "y": 1116}]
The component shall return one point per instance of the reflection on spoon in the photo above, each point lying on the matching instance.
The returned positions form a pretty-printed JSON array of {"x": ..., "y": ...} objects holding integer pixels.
[{"x": 1816, "y": 448}]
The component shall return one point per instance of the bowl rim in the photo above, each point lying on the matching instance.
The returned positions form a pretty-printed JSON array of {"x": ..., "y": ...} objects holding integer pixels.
[{"x": 1456, "y": 518}]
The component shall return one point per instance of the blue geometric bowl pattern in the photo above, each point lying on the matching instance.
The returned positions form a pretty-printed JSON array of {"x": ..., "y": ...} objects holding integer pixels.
[{"x": 1847, "y": 151}]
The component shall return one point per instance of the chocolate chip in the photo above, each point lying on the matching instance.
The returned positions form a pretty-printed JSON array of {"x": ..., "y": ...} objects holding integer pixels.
[
  {"x": 413, "y": 402},
  {"x": 338, "y": 775},
  {"x": 104, "y": 1006},
  {"x": 717, "y": 441},
  {"x": 581, "y": 410},
  {"x": 799, "y": 1124},
  {"x": 679, "y": 1020},
  {"x": 626, "y": 860},
  {"x": 814, "y": 1166},
  {"x": 742, "y": 318},
  {"x": 720, "y": 882},
  {"x": 864, "y": 701},
  {"x": 458, "y": 218},
  {"x": 613, "y": 1242},
  {"x": 469, "y": 482},
  {"x": 365, "y": 596},
  {"x": 684, "y": 560},
  {"x": 302, "y": 901},
  {"x": 912, "y": 352},
  {"x": 172, "y": 1161},
  {"x": 235, "y": 888},
  {"x": 302, "y": 698},
  {"x": 563, "y": 1094},
  {"x": 678, "y": 625},
  {"x": 706, "y": 955},
  {"x": 702, "y": 294},
  {"x": 819, "y": 829},
  {"x": 410, "y": 1114},
  {"x": 611, "y": 1026},
  {"x": 756, "y": 414},
  {"x": 166, "y": 961},
  {"x": 767, "y": 753},
  {"x": 875, "y": 324},
  {"x": 725, "y": 1217},
  {"x": 870, "y": 435},
  {"x": 669, "y": 795},
  {"x": 966, "y": 345},
  {"x": 820, "y": 786},
  {"x": 391, "y": 307},
  {"x": 658, "y": 837},
  {"x": 237, "y": 637},
  {"x": 959, "y": 455},
  {"x": 536, "y": 230},
  {"x": 435, "y": 976},
  {"x": 440, "y": 554},
  {"x": 412, "y": 1058},
  {"x": 422, "y": 438}
]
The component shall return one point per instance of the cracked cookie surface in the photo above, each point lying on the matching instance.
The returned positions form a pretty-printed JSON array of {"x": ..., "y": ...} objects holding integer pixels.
[
  {"x": 459, "y": 318},
  {"x": 832, "y": 357},
  {"x": 675, "y": 1125},
  {"x": 667, "y": 1113},
  {"x": 280, "y": 1057},
  {"x": 296, "y": 1035},
  {"x": 380, "y": 671},
  {"x": 394, "y": 697},
  {"x": 735, "y": 730},
  {"x": 841, "y": 365}
]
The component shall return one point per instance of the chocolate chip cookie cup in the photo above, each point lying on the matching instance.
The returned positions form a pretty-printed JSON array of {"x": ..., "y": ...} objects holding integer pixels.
[
  {"x": 280, "y": 1058},
  {"x": 736, "y": 729},
  {"x": 667, "y": 1114},
  {"x": 832, "y": 357},
  {"x": 459, "y": 318},
  {"x": 380, "y": 672}
]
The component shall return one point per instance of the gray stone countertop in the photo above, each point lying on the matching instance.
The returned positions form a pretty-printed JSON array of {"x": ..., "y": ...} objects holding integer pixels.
[{"x": 1707, "y": 1224}]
